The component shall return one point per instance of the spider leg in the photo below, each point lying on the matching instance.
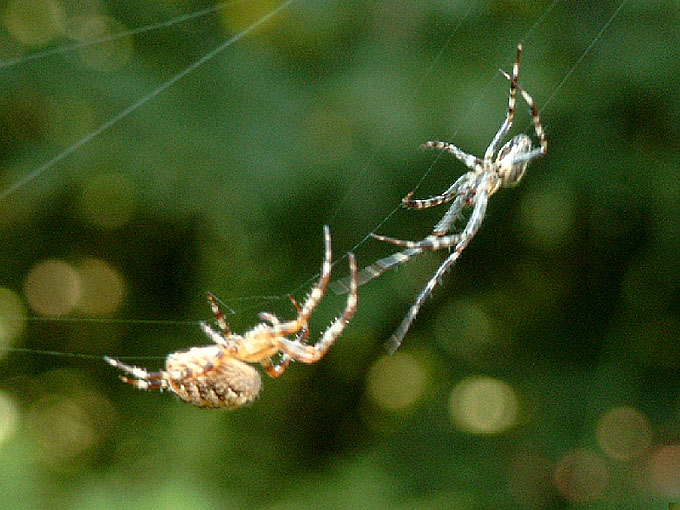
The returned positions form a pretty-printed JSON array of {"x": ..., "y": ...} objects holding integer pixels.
[
  {"x": 303, "y": 336},
  {"x": 479, "y": 210},
  {"x": 529, "y": 156},
  {"x": 507, "y": 123},
  {"x": 224, "y": 338},
  {"x": 300, "y": 323},
  {"x": 429, "y": 243},
  {"x": 219, "y": 316},
  {"x": 304, "y": 332},
  {"x": 472, "y": 162},
  {"x": 230, "y": 342},
  {"x": 276, "y": 369},
  {"x": 275, "y": 321},
  {"x": 462, "y": 200},
  {"x": 379, "y": 267},
  {"x": 269, "y": 317},
  {"x": 454, "y": 213},
  {"x": 292, "y": 299},
  {"x": 398, "y": 336},
  {"x": 144, "y": 380},
  {"x": 399, "y": 242},
  {"x": 317, "y": 292},
  {"x": 538, "y": 127},
  {"x": 468, "y": 233},
  {"x": 313, "y": 353},
  {"x": 451, "y": 193},
  {"x": 342, "y": 286},
  {"x": 383, "y": 265}
]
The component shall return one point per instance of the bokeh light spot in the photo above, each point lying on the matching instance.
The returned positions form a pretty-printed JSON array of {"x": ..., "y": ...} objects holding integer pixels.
[
  {"x": 581, "y": 476},
  {"x": 663, "y": 470},
  {"x": 624, "y": 433},
  {"x": 103, "y": 288},
  {"x": 242, "y": 15},
  {"x": 9, "y": 417},
  {"x": 75, "y": 8},
  {"x": 475, "y": 332},
  {"x": 52, "y": 288},
  {"x": 397, "y": 382},
  {"x": 12, "y": 318},
  {"x": 107, "y": 201},
  {"x": 67, "y": 424},
  {"x": 61, "y": 427},
  {"x": 34, "y": 22},
  {"x": 482, "y": 405},
  {"x": 106, "y": 55}
]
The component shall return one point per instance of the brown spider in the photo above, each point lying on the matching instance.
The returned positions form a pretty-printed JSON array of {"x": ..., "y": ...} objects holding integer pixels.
[{"x": 218, "y": 376}]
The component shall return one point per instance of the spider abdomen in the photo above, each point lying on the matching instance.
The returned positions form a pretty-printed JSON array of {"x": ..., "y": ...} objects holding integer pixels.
[
  {"x": 510, "y": 170},
  {"x": 204, "y": 378}
]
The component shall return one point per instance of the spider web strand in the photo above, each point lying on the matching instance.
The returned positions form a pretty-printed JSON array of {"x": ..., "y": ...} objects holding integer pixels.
[
  {"x": 135, "y": 106},
  {"x": 119, "y": 35}
]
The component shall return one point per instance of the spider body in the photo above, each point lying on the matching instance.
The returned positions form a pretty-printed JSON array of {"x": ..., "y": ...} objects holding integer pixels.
[
  {"x": 205, "y": 377},
  {"x": 510, "y": 166},
  {"x": 219, "y": 376},
  {"x": 485, "y": 176}
]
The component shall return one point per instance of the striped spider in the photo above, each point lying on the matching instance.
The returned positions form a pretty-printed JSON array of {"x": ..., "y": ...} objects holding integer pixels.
[
  {"x": 218, "y": 375},
  {"x": 473, "y": 189}
]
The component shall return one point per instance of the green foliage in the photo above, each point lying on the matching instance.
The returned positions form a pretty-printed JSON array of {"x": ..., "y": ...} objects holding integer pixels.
[{"x": 560, "y": 321}]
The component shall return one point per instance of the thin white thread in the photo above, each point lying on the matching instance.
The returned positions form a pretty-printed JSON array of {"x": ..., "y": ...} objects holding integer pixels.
[
  {"x": 191, "y": 68},
  {"x": 119, "y": 35},
  {"x": 136, "y": 105}
]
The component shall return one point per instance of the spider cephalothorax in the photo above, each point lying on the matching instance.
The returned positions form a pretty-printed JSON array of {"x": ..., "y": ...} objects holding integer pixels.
[{"x": 218, "y": 375}]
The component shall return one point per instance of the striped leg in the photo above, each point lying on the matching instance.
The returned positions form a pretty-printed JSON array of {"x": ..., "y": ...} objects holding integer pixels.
[
  {"x": 470, "y": 161},
  {"x": 219, "y": 316},
  {"x": 313, "y": 353},
  {"x": 304, "y": 332},
  {"x": 538, "y": 127},
  {"x": 275, "y": 321},
  {"x": 429, "y": 243},
  {"x": 455, "y": 212},
  {"x": 468, "y": 233},
  {"x": 383, "y": 265},
  {"x": 229, "y": 343},
  {"x": 224, "y": 337},
  {"x": 275, "y": 369},
  {"x": 278, "y": 368},
  {"x": 342, "y": 286},
  {"x": 451, "y": 193},
  {"x": 317, "y": 292},
  {"x": 398, "y": 336},
  {"x": 507, "y": 123},
  {"x": 300, "y": 323},
  {"x": 144, "y": 380}
]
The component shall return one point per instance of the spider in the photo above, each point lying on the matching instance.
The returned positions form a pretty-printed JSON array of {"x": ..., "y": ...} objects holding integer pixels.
[
  {"x": 472, "y": 189},
  {"x": 218, "y": 375}
]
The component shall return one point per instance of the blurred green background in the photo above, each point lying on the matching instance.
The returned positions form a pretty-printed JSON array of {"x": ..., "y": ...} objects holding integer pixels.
[{"x": 543, "y": 373}]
